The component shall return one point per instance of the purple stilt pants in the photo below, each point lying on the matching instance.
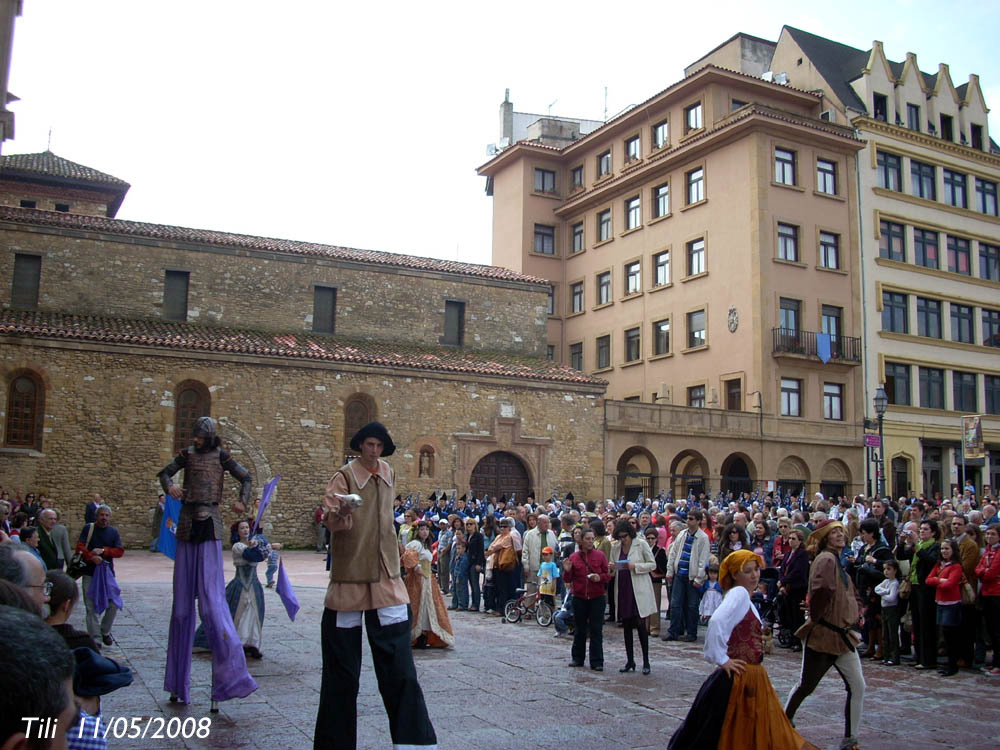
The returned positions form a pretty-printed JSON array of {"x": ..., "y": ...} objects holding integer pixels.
[{"x": 198, "y": 574}]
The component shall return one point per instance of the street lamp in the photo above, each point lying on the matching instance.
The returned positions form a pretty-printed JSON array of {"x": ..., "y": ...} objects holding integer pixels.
[{"x": 881, "y": 404}]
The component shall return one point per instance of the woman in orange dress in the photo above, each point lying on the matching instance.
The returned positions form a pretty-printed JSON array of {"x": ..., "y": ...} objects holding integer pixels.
[
  {"x": 431, "y": 625},
  {"x": 736, "y": 707}
]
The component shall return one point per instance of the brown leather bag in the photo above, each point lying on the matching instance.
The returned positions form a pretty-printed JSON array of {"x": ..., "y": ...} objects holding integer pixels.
[{"x": 507, "y": 559}]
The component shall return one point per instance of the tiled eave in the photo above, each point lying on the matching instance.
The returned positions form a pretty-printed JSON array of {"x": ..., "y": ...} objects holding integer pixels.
[{"x": 293, "y": 347}]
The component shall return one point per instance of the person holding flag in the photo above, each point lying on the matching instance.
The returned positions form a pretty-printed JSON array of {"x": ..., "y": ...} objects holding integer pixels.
[{"x": 198, "y": 568}]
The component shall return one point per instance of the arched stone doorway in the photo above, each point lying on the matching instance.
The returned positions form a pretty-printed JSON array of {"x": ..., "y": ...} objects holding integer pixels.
[
  {"x": 793, "y": 476},
  {"x": 500, "y": 474},
  {"x": 637, "y": 470},
  {"x": 688, "y": 473},
  {"x": 738, "y": 474},
  {"x": 834, "y": 479}
]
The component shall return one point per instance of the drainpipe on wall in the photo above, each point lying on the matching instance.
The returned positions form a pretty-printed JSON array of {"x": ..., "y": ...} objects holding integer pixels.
[{"x": 864, "y": 299}]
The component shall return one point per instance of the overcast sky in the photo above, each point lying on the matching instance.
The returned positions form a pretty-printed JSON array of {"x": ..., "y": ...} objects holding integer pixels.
[{"x": 362, "y": 124}]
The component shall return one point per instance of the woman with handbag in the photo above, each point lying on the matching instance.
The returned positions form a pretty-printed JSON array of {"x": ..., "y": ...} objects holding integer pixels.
[
  {"x": 504, "y": 553},
  {"x": 946, "y": 577}
]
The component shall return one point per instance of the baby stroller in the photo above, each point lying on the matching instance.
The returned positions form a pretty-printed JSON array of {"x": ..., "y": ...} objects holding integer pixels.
[{"x": 768, "y": 606}]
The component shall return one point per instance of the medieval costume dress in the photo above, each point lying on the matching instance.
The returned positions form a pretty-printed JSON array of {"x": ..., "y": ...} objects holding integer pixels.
[
  {"x": 430, "y": 615},
  {"x": 742, "y": 711}
]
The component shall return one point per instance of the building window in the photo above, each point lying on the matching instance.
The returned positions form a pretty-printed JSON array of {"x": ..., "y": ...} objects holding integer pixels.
[
  {"x": 961, "y": 323},
  {"x": 696, "y": 396},
  {"x": 632, "y": 150},
  {"x": 633, "y": 213},
  {"x": 989, "y": 262},
  {"x": 881, "y": 107},
  {"x": 784, "y": 166},
  {"x": 928, "y": 317},
  {"x": 954, "y": 188},
  {"x": 576, "y": 177},
  {"x": 963, "y": 391},
  {"x": 192, "y": 402},
  {"x": 788, "y": 315},
  {"x": 661, "y": 268},
  {"x": 959, "y": 257},
  {"x": 426, "y": 465},
  {"x": 788, "y": 242},
  {"x": 830, "y": 322},
  {"x": 931, "y": 388},
  {"x": 897, "y": 383},
  {"x": 633, "y": 278},
  {"x": 991, "y": 327},
  {"x": 925, "y": 248},
  {"x": 633, "y": 346},
  {"x": 603, "y": 352},
  {"x": 696, "y": 257},
  {"x": 913, "y": 117},
  {"x": 551, "y": 309},
  {"x": 604, "y": 164},
  {"x": 661, "y": 134},
  {"x": 661, "y": 200},
  {"x": 545, "y": 181},
  {"x": 545, "y": 239},
  {"x": 924, "y": 180},
  {"x": 895, "y": 313},
  {"x": 826, "y": 176},
  {"x": 358, "y": 411},
  {"x": 26, "y": 281},
  {"x": 576, "y": 356},
  {"x": 829, "y": 250},
  {"x": 791, "y": 397},
  {"x": 891, "y": 244},
  {"x": 734, "y": 395},
  {"x": 986, "y": 197},
  {"x": 25, "y": 410},
  {"x": 550, "y": 352},
  {"x": 175, "y": 295},
  {"x": 696, "y": 329},
  {"x": 947, "y": 132},
  {"x": 577, "y": 237},
  {"x": 833, "y": 401},
  {"x": 454, "y": 323},
  {"x": 62, "y": 207},
  {"x": 604, "y": 288},
  {"x": 992, "y": 392},
  {"x": 693, "y": 118},
  {"x": 604, "y": 225},
  {"x": 696, "y": 185},
  {"x": 889, "y": 171},
  {"x": 324, "y": 309},
  {"x": 661, "y": 337},
  {"x": 576, "y": 297}
]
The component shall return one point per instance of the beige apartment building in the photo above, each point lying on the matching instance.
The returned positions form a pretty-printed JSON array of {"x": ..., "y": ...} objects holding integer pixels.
[
  {"x": 702, "y": 250},
  {"x": 930, "y": 252}
]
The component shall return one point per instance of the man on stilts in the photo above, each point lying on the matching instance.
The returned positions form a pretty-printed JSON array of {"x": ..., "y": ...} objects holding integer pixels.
[
  {"x": 365, "y": 584},
  {"x": 198, "y": 569}
]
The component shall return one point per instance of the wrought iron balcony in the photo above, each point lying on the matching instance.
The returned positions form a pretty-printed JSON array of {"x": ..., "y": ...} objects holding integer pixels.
[{"x": 792, "y": 341}]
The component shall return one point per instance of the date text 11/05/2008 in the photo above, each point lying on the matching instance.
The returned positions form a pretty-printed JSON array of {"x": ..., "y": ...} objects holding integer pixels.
[{"x": 121, "y": 727}]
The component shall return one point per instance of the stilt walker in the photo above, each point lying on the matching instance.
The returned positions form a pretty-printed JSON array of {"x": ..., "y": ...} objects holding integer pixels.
[{"x": 198, "y": 569}]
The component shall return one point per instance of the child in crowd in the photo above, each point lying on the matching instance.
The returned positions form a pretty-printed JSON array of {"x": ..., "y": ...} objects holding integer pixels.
[
  {"x": 548, "y": 572},
  {"x": 711, "y": 594},
  {"x": 460, "y": 586},
  {"x": 889, "y": 591}
]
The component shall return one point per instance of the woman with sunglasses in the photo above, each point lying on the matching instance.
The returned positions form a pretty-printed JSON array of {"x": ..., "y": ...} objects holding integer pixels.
[{"x": 731, "y": 539}]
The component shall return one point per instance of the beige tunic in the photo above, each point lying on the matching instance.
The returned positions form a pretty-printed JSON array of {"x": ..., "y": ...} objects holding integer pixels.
[{"x": 388, "y": 589}]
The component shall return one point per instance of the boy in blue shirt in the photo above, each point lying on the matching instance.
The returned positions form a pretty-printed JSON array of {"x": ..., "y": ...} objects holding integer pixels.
[{"x": 548, "y": 572}]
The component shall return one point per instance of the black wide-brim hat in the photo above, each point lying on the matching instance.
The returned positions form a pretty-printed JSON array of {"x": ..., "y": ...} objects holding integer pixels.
[
  {"x": 376, "y": 430},
  {"x": 98, "y": 675}
]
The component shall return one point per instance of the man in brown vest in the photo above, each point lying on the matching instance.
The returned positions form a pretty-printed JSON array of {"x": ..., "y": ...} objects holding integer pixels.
[{"x": 365, "y": 583}]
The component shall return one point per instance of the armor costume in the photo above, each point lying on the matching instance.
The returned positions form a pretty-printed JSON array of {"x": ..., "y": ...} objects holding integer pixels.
[{"x": 198, "y": 570}]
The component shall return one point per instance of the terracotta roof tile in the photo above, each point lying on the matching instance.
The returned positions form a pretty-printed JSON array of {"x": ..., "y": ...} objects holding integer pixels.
[
  {"x": 48, "y": 164},
  {"x": 299, "y": 345},
  {"x": 251, "y": 242}
]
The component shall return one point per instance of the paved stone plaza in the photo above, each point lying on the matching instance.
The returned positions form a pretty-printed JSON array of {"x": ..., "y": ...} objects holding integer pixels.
[{"x": 505, "y": 686}]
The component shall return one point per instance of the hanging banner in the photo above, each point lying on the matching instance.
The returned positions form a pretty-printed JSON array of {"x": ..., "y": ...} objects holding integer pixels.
[{"x": 972, "y": 438}]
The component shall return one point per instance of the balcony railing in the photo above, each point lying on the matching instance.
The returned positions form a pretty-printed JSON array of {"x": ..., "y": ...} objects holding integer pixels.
[{"x": 792, "y": 341}]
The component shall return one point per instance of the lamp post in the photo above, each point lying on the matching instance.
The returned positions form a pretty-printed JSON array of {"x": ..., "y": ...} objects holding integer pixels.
[{"x": 881, "y": 404}]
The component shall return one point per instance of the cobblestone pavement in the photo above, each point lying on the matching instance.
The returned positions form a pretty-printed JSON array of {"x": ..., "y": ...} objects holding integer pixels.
[{"x": 503, "y": 686}]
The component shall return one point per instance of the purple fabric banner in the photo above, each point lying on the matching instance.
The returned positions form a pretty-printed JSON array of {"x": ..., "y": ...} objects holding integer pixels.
[{"x": 284, "y": 589}]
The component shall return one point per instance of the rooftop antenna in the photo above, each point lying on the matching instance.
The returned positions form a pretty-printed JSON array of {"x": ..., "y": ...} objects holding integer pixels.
[
  {"x": 605, "y": 104},
  {"x": 551, "y": 106},
  {"x": 49, "y": 146}
]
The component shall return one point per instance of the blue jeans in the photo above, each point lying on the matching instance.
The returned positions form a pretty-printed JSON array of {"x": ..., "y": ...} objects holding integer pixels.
[
  {"x": 563, "y": 618},
  {"x": 684, "y": 601},
  {"x": 272, "y": 567},
  {"x": 460, "y": 591}
]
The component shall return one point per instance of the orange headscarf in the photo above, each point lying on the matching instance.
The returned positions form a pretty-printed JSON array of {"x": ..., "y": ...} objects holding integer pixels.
[{"x": 734, "y": 562}]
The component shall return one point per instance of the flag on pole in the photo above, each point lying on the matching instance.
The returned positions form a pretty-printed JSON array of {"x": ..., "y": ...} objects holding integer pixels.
[
  {"x": 167, "y": 543},
  {"x": 284, "y": 589},
  {"x": 265, "y": 500}
]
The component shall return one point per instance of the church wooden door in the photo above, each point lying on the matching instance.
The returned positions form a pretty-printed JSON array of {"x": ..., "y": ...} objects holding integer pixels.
[{"x": 500, "y": 474}]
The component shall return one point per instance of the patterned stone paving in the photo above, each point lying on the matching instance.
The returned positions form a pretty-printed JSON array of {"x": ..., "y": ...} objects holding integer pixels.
[{"x": 507, "y": 686}]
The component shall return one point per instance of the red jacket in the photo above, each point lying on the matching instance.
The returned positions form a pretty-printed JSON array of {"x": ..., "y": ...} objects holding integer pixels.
[
  {"x": 581, "y": 567},
  {"x": 948, "y": 581},
  {"x": 988, "y": 571}
]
